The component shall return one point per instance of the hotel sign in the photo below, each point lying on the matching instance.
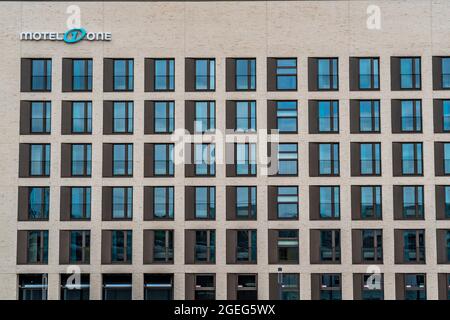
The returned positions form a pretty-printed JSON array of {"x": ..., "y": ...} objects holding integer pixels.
[{"x": 71, "y": 36}]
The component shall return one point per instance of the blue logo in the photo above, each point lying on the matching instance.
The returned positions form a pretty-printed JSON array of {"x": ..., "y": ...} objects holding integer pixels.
[{"x": 74, "y": 35}]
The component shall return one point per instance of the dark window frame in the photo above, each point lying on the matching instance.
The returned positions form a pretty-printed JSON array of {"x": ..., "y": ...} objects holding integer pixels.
[
  {"x": 85, "y": 204},
  {"x": 249, "y": 76},
  {"x": 47, "y": 76},
  {"x": 375, "y": 120},
  {"x": 372, "y": 75},
  {"x": 285, "y": 75},
  {"x": 85, "y": 248},
  {"x": 128, "y": 105},
  {"x": 333, "y": 160},
  {"x": 334, "y": 108},
  {"x": 127, "y": 75},
  {"x": 87, "y": 121},
  {"x": 46, "y": 121},
  {"x": 376, "y": 164},
  {"x": 414, "y": 73},
  {"x": 88, "y": 83},
  {"x": 168, "y": 247},
  {"x": 250, "y": 205},
  {"x": 208, "y": 74},
  {"x": 331, "y": 75},
  {"x": 169, "y": 79},
  {"x": 167, "y": 202},
  {"x": 86, "y": 162},
  {"x": 126, "y": 162},
  {"x": 45, "y": 164},
  {"x": 170, "y": 121},
  {"x": 210, "y": 203}
]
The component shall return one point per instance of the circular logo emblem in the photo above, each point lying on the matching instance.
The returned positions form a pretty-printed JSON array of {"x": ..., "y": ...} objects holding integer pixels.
[{"x": 74, "y": 35}]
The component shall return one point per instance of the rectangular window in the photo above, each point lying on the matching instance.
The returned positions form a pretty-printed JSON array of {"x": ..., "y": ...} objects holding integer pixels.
[
  {"x": 123, "y": 74},
  {"x": 122, "y": 202},
  {"x": 447, "y": 201},
  {"x": 287, "y": 159},
  {"x": 123, "y": 159},
  {"x": 80, "y": 203},
  {"x": 445, "y": 73},
  {"x": 245, "y": 159},
  {"x": 158, "y": 286},
  {"x": 121, "y": 246},
  {"x": 81, "y": 160},
  {"x": 329, "y": 159},
  {"x": 446, "y": 158},
  {"x": 81, "y": 74},
  {"x": 410, "y": 74},
  {"x": 412, "y": 205},
  {"x": 40, "y": 160},
  {"x": 37, "y": 247},
  {"x": 412, "y": 158},
  {"x": 287, "y": 246},
  {"x": 117, "y": 286},
  {"x": 164, "y": 74},
  {"x": 41, "y": 75},
  {"x": 41, "y": 112},
  {"x": 446, "y": 115},
  {"x": 246, "y": 116},
  {"x": 204, "y": 159},
  {"x": 245, "y": 74},
  {"x": 286, "y": 116},
  {"x": 330, "y": 246},
  {"x": 163, "y": 159},
  {"x": 327, "y": 73},
  {"x": 123, "y": 116},
  {"x": 163, "y": 246},
  {"x": 369, "y": 78},
  {"x": 163, "y": 202},
  {"x": 246, "y": 246},
  {"x": 33, "y": 286},
  {"x": 414, "y": 246},
  {"x": 286, "y": 73},
  {"x": 205, "y": 116},
  {"x": 80, "y": 242},
  {"x": 289, "y": 288},
  {"x": 375, "y": 290},
  {"x": 205, "y": 246},
  {"x": 370, "y": 158},
  {"x": 287, "y": 202},
  {"x": 69, "y": 291},
  {"x": 369, "y": 115},
  {"x": 205, "y": 288},
  {"x": 81, "y": 117},
  {"x": 38, "y": 203},
  {"x": 411, "y": 115},
  {"x": 164, "y": 116},
  {"x": 370, "y": 202},
  {"x": 329, "y": 202},
  {"x": 328, "y": 116},
  {"x": 245, "y": 202},
  {"x": 205, "y": 202},
  {"x": 415, "y": 287},
  {"x": 205, "y": 74},
  {"x": 246, "y": 287},
  {"x": 330, "y": 287},
  {"x": 372, "y": 245}
]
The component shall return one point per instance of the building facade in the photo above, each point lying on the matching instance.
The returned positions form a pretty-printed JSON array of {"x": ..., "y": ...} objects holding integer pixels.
[{"x": 102, "y": 188}]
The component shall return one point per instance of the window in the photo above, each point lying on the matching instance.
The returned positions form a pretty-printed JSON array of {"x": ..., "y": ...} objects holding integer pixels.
[
  {"x": 81, "y": 117},
  {"x": 410, "y": 74},
  {"x": 37, "y": 247},
  {"x": 370, "y": 158},
  {"x": 117, "y": 287},
  {"x": 80, "y": 246},
  {"x": 80, "y": 203},
  {"x": 330, "y": 287},
  {"x": 369, "y": 116},
  {"x": 288, "y": 284},
  {"x": 446, "y": 245},
  {"x": 81, "y": 159},
  {"x": 205, "y": 202},
  {"x": 158, "y": 286},
  {"x": 446, "y": 115},
  {"x": 33, "y": 286},
  {"x": 246, "y": 287},
  {"x": 372, "y": 245},
  {"x": 205, "y": 118},
  {"x": 370, "y": 202},
  {"x": 329, "y": 202},
  {"x": 287, "y": 159},
  {"x": 412, "y": 205},
  {"x": 163, "y": 161},
  {"x": 123, "y": 117},
  {"x": 38, "y": 203},
  {"x": 330, "y": 246},
  {"x": 286, "y": 112},
  {"x": 41, "y": 75},
  {"x": 163, "y": 202},
  {"x": 122, "y": 159},
  {"x": 41, "y": 116},
  {"x": 414, "y": 246},
  {"x": 445, "y": 72},
  {"x": 287, "y": 202},
  {"x": 246, "y": 246},
  {"x": 374, "y": 291},
  {"x": 205, "y": 246},
  {"x": 286, "y": 73},
  {"x": 411, "y": 115},
  {"x": 369, "y": 73},
  {"x": 163, "y": 246},
  {"x": 245, "y": 159},
  {"x": 447, "y": 202},
  {"x": 121, "y": 242},
  {"x": 245, "y": 202},
  {"x": 415, "y": 287},
  {"x": 123, "y": 74},
  {"x": 122, "y": 202},
  {"x": 287, "y": 246},
  {"x": 245, "y": 74},
  {"x": 327, "y": 73},
  {"x": 81, "y": 74},
  {"x": 447, "y": 158},
  {"x": 246, "y": 116},
  {"x": 329, "y": 159},
  {"x": 71, "y": 291},
  {"x": 412, "y": 159},
  {"x": 40, "y": 160},
  {"x": 164, "y": 115},
  {"x": 204, "y": 159},
  {"x": 205, "y": 74},
  {"x": 328, "y": 116},
  {"x": 164, "y": 74},
  {"x": 205, "y": 288}
]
